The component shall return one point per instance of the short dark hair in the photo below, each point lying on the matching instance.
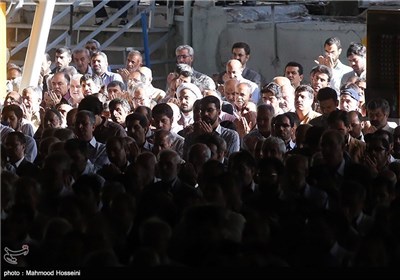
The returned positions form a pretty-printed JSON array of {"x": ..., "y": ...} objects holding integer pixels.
[
  {"x": 13, "y": 108},
  {"x": 211, "y": 99},
  {"x": 92, "y": 104},
  {"x": 379, "y": 103},
  {"x": 338, "y": 115},
  {"x": 20, "y": 136},
  {"x": 333, "y": 41},
  {"x": 356, "y": 49},
  {"x": 117, "y": 84},
  {"x": 163, "y": 109},
  {"x": 326, "y": 94},
  {"x": 76, "y": 144},
  {"x": 143, "y": 121},
  {"x": 241, "y": 45},
  {"x": 295, "y": 64},
  {"x": 322, "y": 69}
]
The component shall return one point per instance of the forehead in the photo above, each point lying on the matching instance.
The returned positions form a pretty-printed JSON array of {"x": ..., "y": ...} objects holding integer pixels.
[
  {"x": 58, "y": 77},
  {"x": 302, "y": 94},
  {"x": 238, "y": 51},
  {"x": 320, "y": 75},
  {"x": 79, "y": 55},
  {"x": 208, "y": 105},
  {"x": 292, "y": 69},
  {"x": 140, "y": 91},
  {"x": 186, "y": 92},
  {"x": 118, "y": 88},
  {"x": 183, "y": 51},
  {"x": 82, "y": 118},
  {"x": 134, "y": 56},
  {"x": 332, "y": 47}
]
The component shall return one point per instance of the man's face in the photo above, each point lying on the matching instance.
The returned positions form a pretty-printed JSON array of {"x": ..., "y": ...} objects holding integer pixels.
[
  {"x": 182, "y": 56},
  {"x": 377, "y": 117},
  {"x": 302, "y": 101},
  {"x": 83, "y": 128},
  {"x": 92, "y": 48},
  {"x": 14, "y": 148},
  {"x": 51, "y": 120},
  {"x": 136, "y": 131},
  {"x": 283, "y": 129},
  {"x": 357, "y": 62},
  {"x": 162, "y": 122},
  {"x": 327, "y": 106},
  {"x": 30, "y": 101},
  {"x": 292, "y": 73},
  {"x": 161, "y": 142},
  {"x": 45, "y": 66},
  {"x": 99, "y": 64},
  {"x": 209, "y": 113},
  {"x": 11, "y": 119},
  {"x": 264, "y": 121},
  {"x": 59, "y": 84},
  {"x": 133, "y": 62},
  {"x": 82, "y": 61},
  {"x": 270, "y": 99},
  {"x": 13, "y": 98},
  {"x": 12, "y": 74},
  {"x": 332, "y": 151},
  {"x": 242, "y": 96},
  {"x": 114, "y": 90},
  {"x": 62, "y": 60},
  {"x": 240, "y": 54},
  {"x": 234, "y": 70},
  {"x": 347, "y": 103},
  {"x": 187, "y": 99},
  {"x": 341, "y": 127},
  {"x": 89, "y": 87},
  {"x": 319, "y": 80},
  {"x": 140, "y": 98},
  {"x": 229, "y": 92},
  {"x": 168, "y": 167},
  {"x": 116, "y": 153},
  {"x": 333, "y": 52},
  {"x": 119, "y": 114},
  {"x": 355, "y": 124},
  {"x": 287, "y": 101},
  {"x": 75, "y": 90}
]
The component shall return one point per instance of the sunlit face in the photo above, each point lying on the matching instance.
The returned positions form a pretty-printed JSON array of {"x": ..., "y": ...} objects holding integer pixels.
[
  {"x": 187, "y": 99},
  {"x": 99, "y": 64},
  {"x": 240, "y": 54},
  {"x": 333, "y": 52},
  {"x": 140, "y": 98},
  {"x": 269, "y": 98},
  {"x": 242, "y": 95},
  {"x": 114, "y": 91},
  {"x": 133, "y": 62},
  {"x": 229, "y": 91},
  {"x": 13, "y": 97},
  {"x": 75, "y": 91},
  {"x": 183, "y": 56},
  {"x": 119, "y": 114},
  {"x": 302, "y": 101},
  {"x": 12, "y": 74},
  {"x": 292, "y": 73},
  {"x": 358, "y": 63},
  {"x": 51, "y": 120},
  {"x": 347, "y": 103},
  {"x": 89, "y": 87},
  {"x": 30, "y": 101},
  {"x": 234, "y": 69},
  {"x": 319, "y": 80},
  {"x": 81, "y": 61},
  {"x": 287, "y": 100},
  {"x": 59, "y": 84},
  {"x": 62, "y": 60}
]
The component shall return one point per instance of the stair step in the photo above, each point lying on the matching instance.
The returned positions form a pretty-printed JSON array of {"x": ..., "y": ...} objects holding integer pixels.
[{"x": 91, "y": 28}]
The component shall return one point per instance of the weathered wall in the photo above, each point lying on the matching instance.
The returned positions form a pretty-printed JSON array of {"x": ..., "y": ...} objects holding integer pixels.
[{"x": 291, "y": 35}]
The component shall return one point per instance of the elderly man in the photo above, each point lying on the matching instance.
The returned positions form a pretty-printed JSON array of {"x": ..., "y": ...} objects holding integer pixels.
[
  {"x": 378, "y": 111},
  {"x": 349, "y": 99},
  {"x": 187, "y": 94},
  {"x": 234, "y": 70},
  {"x": 32, "y": 97},
  {"x": 81, "y": 59},
  {"x": 304, "y": 98},
  {"x": 100, "y": 65},
  {"x": 185, "y": 54},
  {"x": 133, "y": 62}
]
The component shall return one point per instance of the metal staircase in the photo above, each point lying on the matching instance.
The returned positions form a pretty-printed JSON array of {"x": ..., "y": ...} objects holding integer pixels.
[{"x": 150, "y": 29}]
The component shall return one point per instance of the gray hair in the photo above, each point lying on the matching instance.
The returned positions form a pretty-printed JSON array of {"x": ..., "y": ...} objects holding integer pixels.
[
  {"x": 183, "y": 47},
  {"x": 275, "y": 140}
]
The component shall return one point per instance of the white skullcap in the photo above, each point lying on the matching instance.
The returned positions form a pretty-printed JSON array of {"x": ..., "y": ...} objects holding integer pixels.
[{"x": 192, "y": 87}]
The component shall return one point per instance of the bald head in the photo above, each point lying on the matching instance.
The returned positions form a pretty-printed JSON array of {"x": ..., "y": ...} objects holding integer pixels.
[
  {"x": 234, "y": 69},
  {"x": 280, "y": 80}
]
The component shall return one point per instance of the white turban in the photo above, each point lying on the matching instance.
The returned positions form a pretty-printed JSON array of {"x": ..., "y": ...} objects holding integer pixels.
[{"x": 192, "y": 87}]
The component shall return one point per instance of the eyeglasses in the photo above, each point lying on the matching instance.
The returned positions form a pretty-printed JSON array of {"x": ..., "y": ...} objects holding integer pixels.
[{"x": 184, "y": 56}]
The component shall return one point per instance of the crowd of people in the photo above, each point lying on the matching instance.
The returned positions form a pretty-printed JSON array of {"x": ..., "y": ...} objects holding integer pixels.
[{"x": 230, "y": 169}]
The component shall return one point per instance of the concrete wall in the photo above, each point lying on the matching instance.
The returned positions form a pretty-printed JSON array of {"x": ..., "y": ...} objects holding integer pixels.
[{"x": 276, "y": 37}]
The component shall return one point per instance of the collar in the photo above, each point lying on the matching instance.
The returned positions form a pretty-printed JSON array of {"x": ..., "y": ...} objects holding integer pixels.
[
  {"x": 218, "y": 129},
  {"x": 340, "y": 169},
  {"x": 17, "y": 164},
  {"x": 93, "y": 142}
]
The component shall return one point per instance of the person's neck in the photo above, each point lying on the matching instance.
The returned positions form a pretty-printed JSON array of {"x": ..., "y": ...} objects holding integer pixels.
[
  {"x": 302, "y": 114},
  {"x": 186, "y": 114},
  {"x": 215, "y": 125}
]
